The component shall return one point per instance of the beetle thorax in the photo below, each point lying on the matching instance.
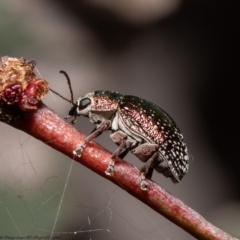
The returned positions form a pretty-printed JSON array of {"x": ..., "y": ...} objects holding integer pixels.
[
  {"x": 84, "y": 104},
  {"x": 105, "y": 101}
]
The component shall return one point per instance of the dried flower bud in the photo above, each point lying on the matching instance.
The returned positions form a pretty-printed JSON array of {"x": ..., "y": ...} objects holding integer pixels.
[{"x": 19, "y": 85}]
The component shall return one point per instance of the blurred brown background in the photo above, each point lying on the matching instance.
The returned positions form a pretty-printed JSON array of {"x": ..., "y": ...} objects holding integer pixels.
[{"x": 181, "y": 55}]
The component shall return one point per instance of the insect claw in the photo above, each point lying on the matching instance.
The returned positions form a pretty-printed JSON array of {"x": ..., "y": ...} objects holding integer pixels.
[
  {"x": 109, "y": 170},
  {"x": 78, "y": 152},
  {"x": 143, "y": 184},
  {"x": 74, "y": 121}
]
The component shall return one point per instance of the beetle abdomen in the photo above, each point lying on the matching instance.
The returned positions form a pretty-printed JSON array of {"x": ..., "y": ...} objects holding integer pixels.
[{"x": 156, "y": 126}]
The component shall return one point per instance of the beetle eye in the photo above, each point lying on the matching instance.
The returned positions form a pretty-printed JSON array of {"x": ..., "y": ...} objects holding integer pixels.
[{"x": 84, "y": 103}]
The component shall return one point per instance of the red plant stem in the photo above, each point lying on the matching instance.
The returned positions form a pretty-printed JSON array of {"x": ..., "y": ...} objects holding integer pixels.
[{"x": 51, "y": 129}]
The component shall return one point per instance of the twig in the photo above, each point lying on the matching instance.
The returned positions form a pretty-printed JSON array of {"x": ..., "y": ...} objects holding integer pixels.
[{"x": 48, "y": 127}]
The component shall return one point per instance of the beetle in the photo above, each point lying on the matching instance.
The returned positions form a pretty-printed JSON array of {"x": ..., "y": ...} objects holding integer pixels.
[{"x": 136, "y": 125}]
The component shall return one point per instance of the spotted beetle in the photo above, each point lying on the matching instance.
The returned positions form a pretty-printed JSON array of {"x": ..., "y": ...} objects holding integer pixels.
[{"x": 138, "y": 126}]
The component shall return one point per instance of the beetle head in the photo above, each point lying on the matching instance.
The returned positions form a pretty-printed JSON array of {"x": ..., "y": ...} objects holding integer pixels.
[
  {"x": 82, "y": 106},
  {"x": 98, "y": 105}
]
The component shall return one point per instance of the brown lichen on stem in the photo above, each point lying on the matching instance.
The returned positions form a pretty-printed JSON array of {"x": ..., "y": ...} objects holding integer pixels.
[
  {"x": 20, "y": 89},
  {"x": 14, "y": 70}
]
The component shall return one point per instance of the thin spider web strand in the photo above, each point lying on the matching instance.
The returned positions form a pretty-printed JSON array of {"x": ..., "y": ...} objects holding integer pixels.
[
  {"x": 13, "y": 222},
  {"x": 61, "y": 200}
]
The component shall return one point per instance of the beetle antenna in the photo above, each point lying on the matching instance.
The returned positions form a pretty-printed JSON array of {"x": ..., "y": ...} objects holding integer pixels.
[
  {"x": 61, "y": 96},
  {"x": 69, "y": 83},
  {"x": 70, "y": 88}
]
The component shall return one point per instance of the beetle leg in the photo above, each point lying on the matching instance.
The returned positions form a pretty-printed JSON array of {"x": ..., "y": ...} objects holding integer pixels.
[
  {"x": 146, "y": 170},
  {"x": 119, "y": 138},
  {"x": 123, "y": 153},
  {"x": 145, "y": 151},
  {"x": 103, "y": 126},
  {"x": 148, "y": 153}
]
